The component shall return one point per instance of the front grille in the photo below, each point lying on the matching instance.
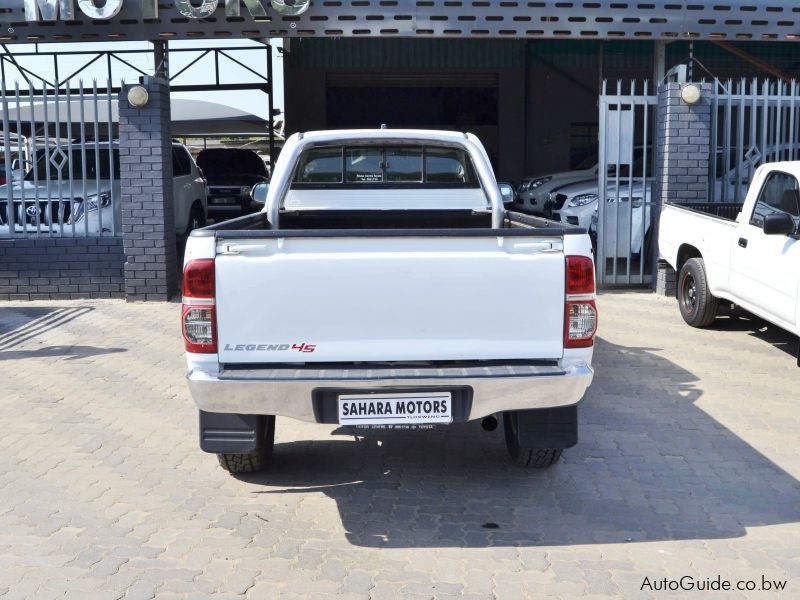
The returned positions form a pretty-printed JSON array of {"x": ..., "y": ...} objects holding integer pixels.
[
  {"x": 559, "y": 201},
  {"x": 54, "y": 212}
]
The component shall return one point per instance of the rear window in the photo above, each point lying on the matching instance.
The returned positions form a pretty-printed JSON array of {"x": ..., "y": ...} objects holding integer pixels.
[
  {"x": 231, "y": 162},
  {"x": 389, "y": 165}
]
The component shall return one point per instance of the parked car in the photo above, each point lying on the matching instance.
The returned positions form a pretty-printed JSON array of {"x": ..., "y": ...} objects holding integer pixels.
[
  {"x": 577, "y": 204},
  {"x": 45, "y": 201},
  {"x": 372, "y": 262},
  {"x": 16, "y": 172},
  {"x": 751, "y": 261},
  {"x": 231, "y": 174},
  {"x": 534, "y": 190}
]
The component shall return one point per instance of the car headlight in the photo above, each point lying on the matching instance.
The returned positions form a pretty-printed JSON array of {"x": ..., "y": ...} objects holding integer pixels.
[
  {"x": 93, "y": 202},
  {"x": 583, "y": 200},
  {"x": 538, "y": 183},
  {"x": 96, "y": 201}
]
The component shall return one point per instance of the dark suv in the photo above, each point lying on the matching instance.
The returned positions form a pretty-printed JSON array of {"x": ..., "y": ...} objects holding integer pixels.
[{"x": 231, "y": 174}]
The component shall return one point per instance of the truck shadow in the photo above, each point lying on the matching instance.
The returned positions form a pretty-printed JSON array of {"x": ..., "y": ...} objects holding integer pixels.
[
  {"x": 740, "y": 320},
  {"x": 650, "y": 466}
]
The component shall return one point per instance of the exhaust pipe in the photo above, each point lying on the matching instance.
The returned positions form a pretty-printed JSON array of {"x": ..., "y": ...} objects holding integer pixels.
[{"x": 489, "y": 423}]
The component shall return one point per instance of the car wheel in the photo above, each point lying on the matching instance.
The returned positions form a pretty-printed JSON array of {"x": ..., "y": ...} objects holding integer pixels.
[
  {"x": 697, "y": 305},
  {"x": 197, "y": 219},
  {"x": 252, "y": 462},
  {"x": 531, "y": 458}
]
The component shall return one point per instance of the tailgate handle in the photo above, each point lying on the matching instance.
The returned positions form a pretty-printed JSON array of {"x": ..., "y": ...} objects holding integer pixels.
[
  {"x": 540, "y": 246},
  {"x": 235, "y": 248},
  {"x": 230, "y": 249}
]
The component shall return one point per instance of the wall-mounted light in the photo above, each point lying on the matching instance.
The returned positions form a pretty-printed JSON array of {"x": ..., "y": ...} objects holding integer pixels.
[
  {"x": 691, "y": 93},
  {"x": 138, "y": 96}
]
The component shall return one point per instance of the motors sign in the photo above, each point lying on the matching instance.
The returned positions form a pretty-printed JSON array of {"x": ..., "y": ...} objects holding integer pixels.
[
  {"x": 131, "y": 20},
  {"x": 54, "y": 10},
  {"x": 140, "y": 20}
]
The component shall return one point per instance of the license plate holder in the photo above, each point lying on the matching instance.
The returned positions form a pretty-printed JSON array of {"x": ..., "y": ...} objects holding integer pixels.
[{"x": 395, "y": 408}]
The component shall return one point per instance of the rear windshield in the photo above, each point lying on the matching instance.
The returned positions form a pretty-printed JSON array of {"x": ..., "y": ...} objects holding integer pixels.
[
  {"x": 231, "y": 162},
  {"x": 405, "y": 166}
]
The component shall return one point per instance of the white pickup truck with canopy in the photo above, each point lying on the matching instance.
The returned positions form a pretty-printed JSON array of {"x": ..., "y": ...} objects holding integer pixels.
[{"x": 373, "y": 291}]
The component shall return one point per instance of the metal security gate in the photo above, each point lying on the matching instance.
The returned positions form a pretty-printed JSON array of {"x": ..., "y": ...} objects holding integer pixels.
[
  {"x": 59, "y": 171},
  {"x": 624, "y": 207},
  {"x": 752, "y": 122}
]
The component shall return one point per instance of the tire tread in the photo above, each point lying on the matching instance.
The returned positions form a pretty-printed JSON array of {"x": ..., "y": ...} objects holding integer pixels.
[
  {"x": 252, "y": 462},
  {"x": 528, "y": 458}
]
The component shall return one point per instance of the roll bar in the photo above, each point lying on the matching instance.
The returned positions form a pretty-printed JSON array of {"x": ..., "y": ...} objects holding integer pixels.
[{"x": 298, "y": 143}]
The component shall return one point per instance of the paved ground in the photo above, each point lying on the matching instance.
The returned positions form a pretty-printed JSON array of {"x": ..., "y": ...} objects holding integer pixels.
[{"x": 687, "y": 465}]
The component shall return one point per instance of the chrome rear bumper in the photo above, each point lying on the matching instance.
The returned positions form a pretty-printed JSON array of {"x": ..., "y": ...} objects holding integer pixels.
[{"x": 288, "y": 392}]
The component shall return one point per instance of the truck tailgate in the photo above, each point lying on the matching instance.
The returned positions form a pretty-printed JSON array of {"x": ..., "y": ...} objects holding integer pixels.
[{"x": 345, "y": 299}]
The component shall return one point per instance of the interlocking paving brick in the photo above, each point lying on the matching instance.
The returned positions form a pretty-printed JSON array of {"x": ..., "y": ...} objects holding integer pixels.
[{"x": 686, "y": 465}]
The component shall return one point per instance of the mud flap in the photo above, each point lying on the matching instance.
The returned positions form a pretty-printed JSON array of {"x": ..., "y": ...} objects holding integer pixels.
[
  {"x": 548, "y": 428},
  {"x": 224, "y": 433}
]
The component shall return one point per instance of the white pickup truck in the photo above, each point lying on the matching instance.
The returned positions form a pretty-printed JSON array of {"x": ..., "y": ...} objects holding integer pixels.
[
  {"x": 751, "y": 261},
  {"x": 372, "y": 291}
]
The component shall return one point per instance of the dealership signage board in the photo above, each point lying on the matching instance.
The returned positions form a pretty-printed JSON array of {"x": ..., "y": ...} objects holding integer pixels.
[{"x": 93, "y": 20}]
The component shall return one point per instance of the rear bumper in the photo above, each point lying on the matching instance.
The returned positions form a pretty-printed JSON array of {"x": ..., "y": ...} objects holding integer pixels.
[{"x": 289, "y": 392}]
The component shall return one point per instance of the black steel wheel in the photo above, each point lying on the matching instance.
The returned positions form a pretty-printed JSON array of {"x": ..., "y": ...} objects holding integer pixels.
[{"x": 697, "y": 305}]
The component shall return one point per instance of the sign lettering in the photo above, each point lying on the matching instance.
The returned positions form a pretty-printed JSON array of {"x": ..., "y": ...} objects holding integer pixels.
[
  {"x": 64, "y": 10},
  {"x": 108, "y": 11}
]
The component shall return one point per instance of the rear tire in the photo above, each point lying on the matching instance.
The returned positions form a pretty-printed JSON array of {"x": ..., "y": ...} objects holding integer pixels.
[
  {"x": 529, "y": 458},
  {"x": 252, "y": 462},
  {"x": 697, "y": 305}
]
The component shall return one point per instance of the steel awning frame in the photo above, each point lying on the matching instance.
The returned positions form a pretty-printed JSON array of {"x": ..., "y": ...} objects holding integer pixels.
[{"x": 731, "y": 20}]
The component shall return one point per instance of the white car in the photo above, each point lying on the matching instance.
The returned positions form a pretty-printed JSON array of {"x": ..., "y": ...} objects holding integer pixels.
[
  {"x": 374, "y": 254},
  {"x": 91, "y": 203},
  {"x": 577, "y": 205},
  {"x": 534, "y": 190}
]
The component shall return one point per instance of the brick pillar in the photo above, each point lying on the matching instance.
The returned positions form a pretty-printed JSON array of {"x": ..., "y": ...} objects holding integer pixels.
[
  {"x": 683, "y": 147},
  {"x": 148, "y": 220}
]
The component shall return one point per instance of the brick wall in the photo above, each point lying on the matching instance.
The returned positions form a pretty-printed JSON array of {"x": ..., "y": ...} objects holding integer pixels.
[
  {"x": 684, "y": 144},
  {"x": 148, "y": 220},
  {"x": 61, "y": 268}
]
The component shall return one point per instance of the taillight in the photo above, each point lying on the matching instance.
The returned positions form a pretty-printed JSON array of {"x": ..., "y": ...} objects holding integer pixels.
[
  {"x": 198, "y": 317},
  {"x": 198, "y": 279},
  {"x": 580, "y": 275},
  {"x": 580, "y": 315}
]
